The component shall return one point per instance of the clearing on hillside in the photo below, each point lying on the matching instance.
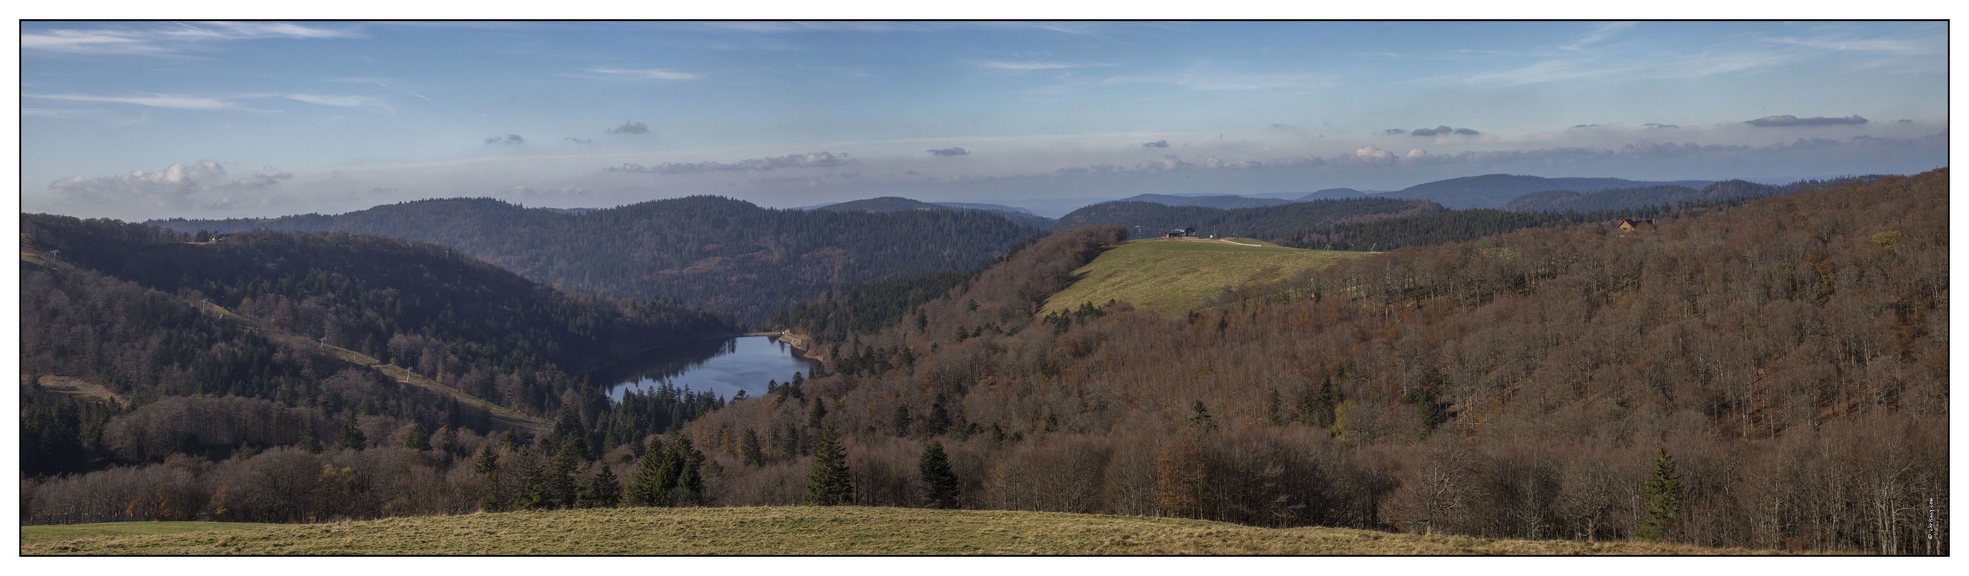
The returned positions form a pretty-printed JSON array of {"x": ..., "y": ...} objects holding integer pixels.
[
  {"x": 1174, "y": 275},
  {"x": 785, "y": 530}
]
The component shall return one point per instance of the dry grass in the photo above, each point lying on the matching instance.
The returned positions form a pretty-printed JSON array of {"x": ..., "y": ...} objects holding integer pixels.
[
  {"x": 782, "y": 530},
  {"x": 1171, "y": 276}
]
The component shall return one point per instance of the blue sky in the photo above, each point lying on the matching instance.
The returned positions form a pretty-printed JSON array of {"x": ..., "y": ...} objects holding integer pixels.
[{"x": 201, "y": 119}]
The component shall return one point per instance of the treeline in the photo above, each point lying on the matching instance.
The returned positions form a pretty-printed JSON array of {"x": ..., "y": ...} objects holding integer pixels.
[
  {"x": 1265, "y": 223},
  {"x": 1773, "y": 376},
  {"x": 717, "y": 253},
  {"x": 452, "y": 318},
  {"x": 1632, "y": 198},
  {"x": 1542, "y": 210}
]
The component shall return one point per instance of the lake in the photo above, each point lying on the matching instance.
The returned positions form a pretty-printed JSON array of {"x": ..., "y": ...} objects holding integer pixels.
[{"x": 722, "y": 367}]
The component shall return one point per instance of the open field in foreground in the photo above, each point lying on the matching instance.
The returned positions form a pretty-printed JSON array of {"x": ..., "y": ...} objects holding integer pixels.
[
  {"x": 779, "y": 530},
  {"x": 1170, "y": 276}
]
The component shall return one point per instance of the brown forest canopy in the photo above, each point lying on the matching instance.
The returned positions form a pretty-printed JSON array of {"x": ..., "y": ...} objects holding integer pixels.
[
  {"x": 1790, "y": 354},
  {"x": 1782, "y": 361}
]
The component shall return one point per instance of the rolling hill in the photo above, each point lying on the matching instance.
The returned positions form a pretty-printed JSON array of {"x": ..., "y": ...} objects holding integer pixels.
[
  {"x": 1267, "y": 223},
  {"x": 888, "y": 204},
  {"x": 1494, "y": 190},
  {"x": 717, "y": 253},
  {"x": 1171, "y": 276},
  {"x": 1219, "y": 201}
]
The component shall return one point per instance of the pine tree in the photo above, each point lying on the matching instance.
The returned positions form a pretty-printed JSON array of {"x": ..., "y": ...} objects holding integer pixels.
[
  {"x": 689, "y": 482},
  {"x": 1200, "y": 417},
  {"x": 750, "y": 451},
  {"x": 415, "y": 438},
  {"x": 561, "y": 485},
  {"x": 939, "y": 416},
  {"x": 1665, "y": 499},
  {"x": 670, "y": 467},
  {"x": 310, "y": 443},
  {"x": 900, "y": 422},
  {"x": 814, "y": 416},
  {"x": 602, "y": 491},
  {"x": 352, "y": 438},
  {"x": 487, "y": 468},
  {"x": 642, "y": 486},
  {"x": 1271, "y": 409},
  {"x": 827, "y": 482},
  {"x": 935, "y": 467}
]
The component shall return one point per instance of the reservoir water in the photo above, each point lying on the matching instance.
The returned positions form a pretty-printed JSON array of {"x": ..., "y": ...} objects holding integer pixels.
[{"x": 722, "y": 367}]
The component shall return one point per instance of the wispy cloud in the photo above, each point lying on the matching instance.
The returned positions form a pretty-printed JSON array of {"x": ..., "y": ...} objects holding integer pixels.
[
  {"x": 1156, "y": 144},
  {"x": 646, "y": 73},
  {"x": 1033, "y": 65},
  {"x": 166, "y": 38},
  {"x": 948, "y": 152},
  {"x": 172, "y": 101},
  {"x": 1599, "y": 34},
  {"x": 1789, "y": 120},
  {"x": 342, "y": 101},
  {"x": 630, "y": 128},
  {"x": 1898, "y": 46},
  {"x": 808, "y": 160},
  {"x": 507, "y": 140}
]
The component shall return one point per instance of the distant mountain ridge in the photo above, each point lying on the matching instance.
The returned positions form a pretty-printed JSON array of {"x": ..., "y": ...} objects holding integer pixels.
[
  {"x": 1223, "y": 201},
  {"x": 885, "y": 204},
  {"x": 723, "y": 254},
  {"x": 1630, "y": 198},
  {"x": 1264, "y": 222},
  {"x": 1494, "y": 190}
]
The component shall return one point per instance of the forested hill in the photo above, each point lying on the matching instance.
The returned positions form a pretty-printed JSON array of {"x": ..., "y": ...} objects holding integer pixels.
[
  {"x": 726, "y": 255},
  {"x": 1773, "y": 375},
  {"x": 896, "y": 204},
  {"x": 1266, "y": 223},
  {"x": 1493, "y": 190},
  {"x": 1632, "y": 198},
  {"x": 460, "y": 321}
]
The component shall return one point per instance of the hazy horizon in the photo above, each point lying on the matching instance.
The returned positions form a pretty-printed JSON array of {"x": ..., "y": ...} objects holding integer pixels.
[{"x": 260, "y": 119}]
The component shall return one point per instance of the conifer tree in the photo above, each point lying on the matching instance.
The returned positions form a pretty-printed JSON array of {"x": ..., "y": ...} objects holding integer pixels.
[
  {"x": 1665, "y": 499},
  {"x": 814, "y": 416},
  {"x": 935, "y": 468},
  {"x": 415, "y": 438},
  {"x": 939, "y": 416},
  {"x": 1271, "y": 409},
  {"x": 352, "y": 438},
  {"x": 487, "y": 468},
  {"x": 688, "y": 481},
  {"x": 642, "y": 487},
  {"x": 561, "y": 485},
  {"x": 828, "y": 483},
  {"x": 602, "y": 491},
  {"x": 749, "y": 450},
  {"x": 899, "y": 423},
  {"x": 310, "y": 443}
]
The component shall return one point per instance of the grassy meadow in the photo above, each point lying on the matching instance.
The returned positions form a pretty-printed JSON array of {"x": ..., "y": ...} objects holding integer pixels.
[
  {"x": 776, "y": 531},
  {"x": 1170, "y": 276}
]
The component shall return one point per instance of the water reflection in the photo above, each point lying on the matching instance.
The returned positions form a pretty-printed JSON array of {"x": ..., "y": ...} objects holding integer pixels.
[{"x": 722, "y": 367}]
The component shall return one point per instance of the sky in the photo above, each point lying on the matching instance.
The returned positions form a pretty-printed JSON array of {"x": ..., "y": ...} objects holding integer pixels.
[{"x": 139, "y": 120}]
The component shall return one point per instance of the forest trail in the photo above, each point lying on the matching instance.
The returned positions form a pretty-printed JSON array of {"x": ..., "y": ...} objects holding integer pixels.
[{"x": 501, "y": 416}]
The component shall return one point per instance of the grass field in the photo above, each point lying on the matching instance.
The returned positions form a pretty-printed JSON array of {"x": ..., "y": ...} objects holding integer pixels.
[
  {"x": 1171, "y": 276},
  {"x": 777, "y": 530}
]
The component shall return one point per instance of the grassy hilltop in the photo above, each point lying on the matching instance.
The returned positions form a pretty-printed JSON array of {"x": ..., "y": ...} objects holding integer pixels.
[
  {"x": 778, "y": 530},
  {"x": 1170, "y": 276}
]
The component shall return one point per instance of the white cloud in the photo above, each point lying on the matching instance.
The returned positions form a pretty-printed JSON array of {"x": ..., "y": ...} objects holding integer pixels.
[
  {"x": 165, "y": 38},
  {"x": 1026, "y": 66},
  {"x": 646, "y": 73},
  {"x": 174, "y": 186},
  {"x": 341, "y": 101},
  {"x": 172, "y": 101},
  {"x": 1603, "y": 32}
]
